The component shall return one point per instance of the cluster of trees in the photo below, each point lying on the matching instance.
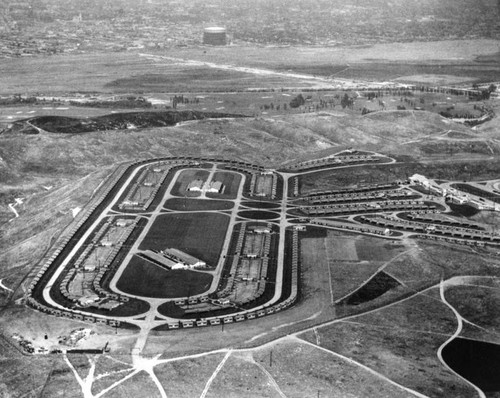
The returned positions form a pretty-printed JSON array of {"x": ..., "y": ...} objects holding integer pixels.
[
  {"x": 347, "y": 102},
  {"x": 272, "y": 107},
  {"x": 484, "y": 94},
  {"x": 18, "y": 99},
  {"x": 129, "y": 102},
  {"x": 299, "y": 100},
  {"x": 180, "y": 99}
]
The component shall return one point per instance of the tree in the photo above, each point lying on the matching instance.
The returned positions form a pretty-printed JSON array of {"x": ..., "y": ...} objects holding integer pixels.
[
  {"x": 297, "y": 101},
  {"x": 346, "y": 101}
]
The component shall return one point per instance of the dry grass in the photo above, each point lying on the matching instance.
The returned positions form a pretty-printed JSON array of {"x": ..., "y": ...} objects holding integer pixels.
[
  {"x": 301, "y": 370},
  {"x": 407, "y": 357},
  {"x": 187, "y": 378}
]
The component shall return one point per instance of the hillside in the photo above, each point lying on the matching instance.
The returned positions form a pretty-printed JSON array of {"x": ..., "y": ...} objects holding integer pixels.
[{"x": 55, "y": 173}]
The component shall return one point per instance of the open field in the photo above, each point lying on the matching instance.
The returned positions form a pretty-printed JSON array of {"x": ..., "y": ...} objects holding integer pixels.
[
  {"x": 478, "y": 304},
  {"x": 397, "y": 351},
  {"x": 450, "y": 52},
  {"x": 128, "y": 72},
  {"x": 302, "y": 370},
  {"x": 187, "y": 378},
  {"x": 138, "y": 385},
  {"x": 143, "y": 278},
  {"x": 181, "y": 204},
  {"x": 200, "y": 235}
]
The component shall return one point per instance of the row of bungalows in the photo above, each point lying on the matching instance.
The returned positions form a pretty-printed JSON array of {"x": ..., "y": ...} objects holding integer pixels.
[
  {"x": 452, "y": 223},
  {"x": 452, "y": 240},
  {"x": 192, "y": 300},
  {"x": 238, "y": 317},
  {"x": 366, "y": 207},
  {"x": 133, "y": 189},
  {"x": 274, "y": 188},
  {"x": 241, "y": 166},
  {"x": 72, "y": 315},
  {"x": 333, "y": 161},
  {"x": 431, "y": 224},
  {"x": 432, "y": 228},
  {"x": 129, "y": 199},
  {"x": 360, "y": 196},
  {"x": 226, "y": 319},
  {"x": 235, "y": 261},
  {"x": 352, "y": 227},
  {"x": 156, "y": 189},
  {"x": 295, "y": 184}
]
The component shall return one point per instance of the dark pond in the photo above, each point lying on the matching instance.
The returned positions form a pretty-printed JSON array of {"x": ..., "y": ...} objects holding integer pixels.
[{"x": 476, "y": 361}]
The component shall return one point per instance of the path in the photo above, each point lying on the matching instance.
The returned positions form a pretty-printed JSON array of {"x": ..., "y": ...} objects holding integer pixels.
[
  {"x": 214, "y": 374},
  {"x": 13, "y": 209},
  {"x": 5, "y": 287}
]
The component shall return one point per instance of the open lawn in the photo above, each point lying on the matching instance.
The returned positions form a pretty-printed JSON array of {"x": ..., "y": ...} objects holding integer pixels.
[
  {"x": 143, "y": 278},
  {"x": 181, "y": 204},
  {"x": 198, "y": 234}
]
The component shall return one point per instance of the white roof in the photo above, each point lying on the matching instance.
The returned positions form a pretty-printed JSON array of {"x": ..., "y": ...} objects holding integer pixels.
[{"x": 215, "y": 29}]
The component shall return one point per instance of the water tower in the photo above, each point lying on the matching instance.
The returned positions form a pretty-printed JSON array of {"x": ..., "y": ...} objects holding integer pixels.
[{"x": 214, "y": 36}]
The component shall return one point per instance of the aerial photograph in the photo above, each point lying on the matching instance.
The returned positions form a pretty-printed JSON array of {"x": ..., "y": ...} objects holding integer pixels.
[{"x": 249, "y": 198}]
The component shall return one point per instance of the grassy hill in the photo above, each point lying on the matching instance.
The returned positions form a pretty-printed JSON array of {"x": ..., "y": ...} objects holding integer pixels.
[{"x": 72, "y": 166}]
